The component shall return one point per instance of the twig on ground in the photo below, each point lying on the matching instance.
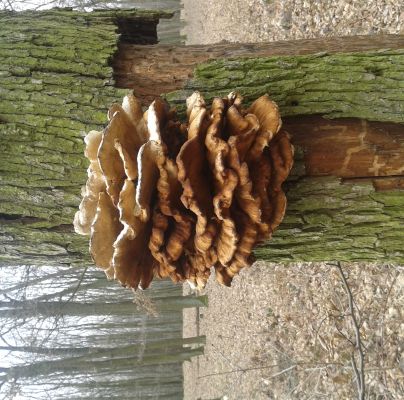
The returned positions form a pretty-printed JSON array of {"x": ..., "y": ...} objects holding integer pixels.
[
  {"x": 283, "y": 371},
  {"x": 359, "y": 371}
]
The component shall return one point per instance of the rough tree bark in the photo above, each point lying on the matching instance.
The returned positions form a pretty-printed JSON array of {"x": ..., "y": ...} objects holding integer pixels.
[
  {"x": 346, "y": 199},
  {"x": 55, "y": 84},
  {"x": 165, "y": 68}
]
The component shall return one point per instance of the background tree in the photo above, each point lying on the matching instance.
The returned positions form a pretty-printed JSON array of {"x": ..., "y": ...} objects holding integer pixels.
[{"x": 65, "y": 335}]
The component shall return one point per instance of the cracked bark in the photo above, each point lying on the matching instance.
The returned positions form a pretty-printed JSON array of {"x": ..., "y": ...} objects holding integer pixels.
[{"x": 346, "y": 199}]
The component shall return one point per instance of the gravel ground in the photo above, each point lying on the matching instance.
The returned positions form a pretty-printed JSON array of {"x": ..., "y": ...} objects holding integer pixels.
[
  {"x": 277, "y": 333},
  {"x": 282, "y": 332},
  {"x": 212, "y": 21}
]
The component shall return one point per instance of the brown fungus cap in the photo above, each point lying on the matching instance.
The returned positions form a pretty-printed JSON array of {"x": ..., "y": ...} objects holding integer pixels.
[
  {"x": 117, "y": 153},
  {"x": 149, "y": 156},
  {"x": 267, "y": 113},
  {"x": 95, "y": 184},
  {"x": 195, "y": 176},
  {"x": 172, "y": 200},
  {"x": 104, "y": 231},
  {"x": 225, "y": 180}
]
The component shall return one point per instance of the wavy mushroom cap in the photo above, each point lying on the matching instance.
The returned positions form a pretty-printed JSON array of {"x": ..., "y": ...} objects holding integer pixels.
[
  {"x": 167, "y": 199},
  {"x": 95, "y": 184}
]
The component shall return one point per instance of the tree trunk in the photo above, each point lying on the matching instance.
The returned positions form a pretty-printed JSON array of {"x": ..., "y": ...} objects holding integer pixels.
[
  {"x": 55, "y": 84},
  {"x": 345, "y": 193},
  {"x": 152, "y": 70}
]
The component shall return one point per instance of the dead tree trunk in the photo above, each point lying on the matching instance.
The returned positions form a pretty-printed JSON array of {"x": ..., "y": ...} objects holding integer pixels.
[
  {"x": 346, "y": 199},
  {"x": 55, "y": 84},
  {"x": 153, "y": 70}
]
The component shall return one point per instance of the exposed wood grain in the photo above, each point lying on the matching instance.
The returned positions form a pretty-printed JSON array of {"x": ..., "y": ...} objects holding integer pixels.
[
  {"x": 348, "y": 148},
  {"x": 153, "y": 70}
]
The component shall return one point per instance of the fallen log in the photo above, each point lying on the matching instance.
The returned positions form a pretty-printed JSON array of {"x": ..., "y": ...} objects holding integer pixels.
[{"x": 341, "y": 100}]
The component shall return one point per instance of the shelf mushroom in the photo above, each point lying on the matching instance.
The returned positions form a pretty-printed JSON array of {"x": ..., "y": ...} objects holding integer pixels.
[{"x": 172, "y": 200}]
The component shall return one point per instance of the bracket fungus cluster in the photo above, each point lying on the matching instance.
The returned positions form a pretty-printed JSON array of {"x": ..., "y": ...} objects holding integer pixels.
[{"x": 167, "y": 199}]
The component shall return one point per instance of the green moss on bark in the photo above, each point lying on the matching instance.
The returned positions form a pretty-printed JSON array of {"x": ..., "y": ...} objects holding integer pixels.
[
  {"x": 327, "y": 220},
  {"x": 365, "y": 85},
  {"x": 55, "y": 84}
]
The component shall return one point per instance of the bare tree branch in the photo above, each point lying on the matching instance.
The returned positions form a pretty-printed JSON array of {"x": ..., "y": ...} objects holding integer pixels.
[{"x": 78, "y": 285}]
